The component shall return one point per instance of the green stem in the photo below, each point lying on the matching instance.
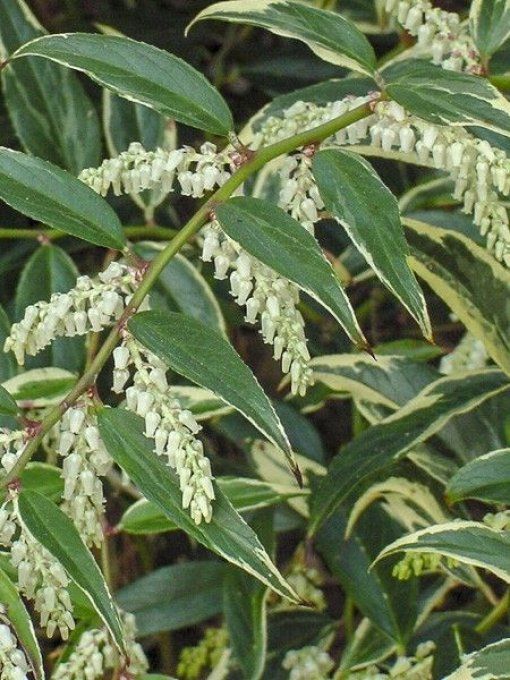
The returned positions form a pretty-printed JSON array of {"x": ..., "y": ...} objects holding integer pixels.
[
  {"x": 256, "y": 162},
  {"x": 132, "y": 233},
  {"x": 495, "y": 615},
  {"x": 502, "y": 82}
]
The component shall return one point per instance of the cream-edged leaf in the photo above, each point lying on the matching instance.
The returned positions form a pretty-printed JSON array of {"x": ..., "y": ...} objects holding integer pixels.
[
  {"x": 356, "y": 196},
  {"x": 486, "y": 478},
  {"x": 474, "y": 285},
  {"x": 471, "y": 543},
  {"x": 329, "y": 35},
  {"x": 202, "y": 355},
  {"x": 277, "y": 240},
  {"x": 139, "y": 72},
  {"x": 489, "y": 22},
  {"x": 445, "y": 97},
  {"x": 14, "y": 613},
  {"x": 227, "y": 534},
  {"x": 381, "y": 446},
  {"x": 411, "y": 504},
  {"x": 489, "y": 663}
]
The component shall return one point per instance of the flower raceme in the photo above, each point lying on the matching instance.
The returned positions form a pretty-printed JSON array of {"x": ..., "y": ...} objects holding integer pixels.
[{"x": 13, "y": 662}]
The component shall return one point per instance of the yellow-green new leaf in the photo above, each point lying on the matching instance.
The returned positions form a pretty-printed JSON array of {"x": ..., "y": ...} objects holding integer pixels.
[
  {"x": 13, "y": 612},
  {"x": 47, "y": 194},
  {"x": 327, "y": 34},
  {"x": 489, "y": 21},
  {"x": 469, "y": 280},
  {"x": 489, "y": 663},
  {"x": 486, "y": 478},
  {"x": 354, "y": 193},
  {"x": 446, "y": 97},
  {"x": 382, "y": 445},
  {"x": 139, "y": 72},
  {"x": 227, "y": 534},
  {"x": 468, "y": 542},
  {"x": 272, "y": 236}
]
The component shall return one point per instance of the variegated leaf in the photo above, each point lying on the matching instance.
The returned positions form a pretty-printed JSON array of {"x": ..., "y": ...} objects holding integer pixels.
[
  {"x": 356, "y": 196},
  {"x": 490, "y": 24},
  {"x": 382, "y": 445},
  {"x": 486, "y": 478},
  {"x": 327, "y": 34},
  {"x": 445, "y": 97},
  {"x": 469, "y": 280},
  {"x": 245, "y": 494},
  {"x": 471, "y": 543},
  {"x": 377, "y": 382},
  {"x": 268, "y": 464},
  {"x": 411, "y": 504},
  {"x": 40, "y": 387},
  {"x": 490, "y": 663}
]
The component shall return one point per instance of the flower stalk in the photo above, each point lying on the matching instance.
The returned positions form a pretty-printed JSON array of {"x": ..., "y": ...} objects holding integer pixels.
[{"x": 259, "y": 159}]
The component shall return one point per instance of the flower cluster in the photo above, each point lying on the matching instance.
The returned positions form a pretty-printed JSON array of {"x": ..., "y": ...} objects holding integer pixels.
[
  {"x": 136, "y": 169},
  {"x": 94, "y": 654},
  {"x": 479, "y": 172},
  {"x": 417, "y": 667},
  {"x": 303, "y": 116},
  {"x": 469, "y": 354},
  {"x": 439, "y": 32},
  {"x": 172, "y": 428},
  {"x": 299, "y": 194},
  {"x": 498, "y": 520},
  {"x": 267, "y": 296},
  {"x": 92, "y": 305},
  {"x": 308, "y": 663},
  {"x": 208, "y": 653},
  {"x": 42, "y": 578},
  {"x": 12, "y": 443},
  {"x": 85, "y": 460},
  {"x": 416, "y": 564},
  {"x": 13, "y": 662},
  {"x": 307, "y": 584}
]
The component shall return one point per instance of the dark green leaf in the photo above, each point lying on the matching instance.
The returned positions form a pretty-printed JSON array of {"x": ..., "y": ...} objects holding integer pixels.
[
  {"x": 486, "y": 478},
  {"x": 57, "y": 533},
  {"x": 200, "y": 354},
  {"x": 141, "y": 73},
  {"x": 227, "y": 534},
  {"x": 174, "y": 597},
  {"x": 327, "y": 34},
  {"x": 45, "y": 478},
  {"x": 17, "y": 616},
  {"x": 269, "y": 234},
  {"x": 7, "y": 361},
  {"x": 8, "y": 406},
  {"x": 244, "y": 493},
  {"x": 48, "y": 107},
  {"x": 368, "y": 211},
  {"x": 50, "y": 195},
  {"x": 388, "y": 603},
  {"x": 50, "y": 270}
]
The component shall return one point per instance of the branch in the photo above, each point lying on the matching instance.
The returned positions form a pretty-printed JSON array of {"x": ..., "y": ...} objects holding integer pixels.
[{"x": 253, "y": 165}]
